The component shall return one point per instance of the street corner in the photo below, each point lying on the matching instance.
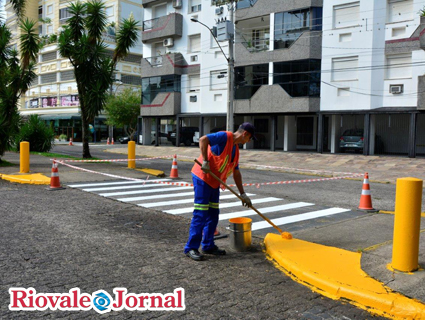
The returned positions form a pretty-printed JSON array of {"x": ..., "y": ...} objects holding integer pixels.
[
  {"x": 35, "y": 178},
  {"x": 337, "y": 274}
]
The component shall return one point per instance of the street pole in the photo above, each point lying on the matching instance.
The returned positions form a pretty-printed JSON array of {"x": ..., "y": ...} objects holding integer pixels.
[{"x": 231, "y": 78}]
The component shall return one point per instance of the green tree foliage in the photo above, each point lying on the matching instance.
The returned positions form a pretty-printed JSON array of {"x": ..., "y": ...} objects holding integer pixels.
[
  {"x": 81, "y": 42},
  {"x": 37, "y": 133},
  {"x": 16, "y": 73},
  {"x": 123, "y": 110}
]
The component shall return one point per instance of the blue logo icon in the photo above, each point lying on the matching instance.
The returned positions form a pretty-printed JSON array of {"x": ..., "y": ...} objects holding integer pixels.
[{"x": 101, "y": 301}]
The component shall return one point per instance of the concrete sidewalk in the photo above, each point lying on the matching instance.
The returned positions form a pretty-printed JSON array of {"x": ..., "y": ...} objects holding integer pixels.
[{"x": 326, "y": 245}]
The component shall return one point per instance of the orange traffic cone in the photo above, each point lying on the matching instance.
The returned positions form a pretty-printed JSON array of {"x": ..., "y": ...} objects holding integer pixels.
[
  {"x": 107, "y": 141},
  {"x": 218, "y": 235},
  {"x": 54, "y": 179},
  {"x": 70, "y": 142},
  {"x": 365, "y": 198},
  {"x": 174, "y": 171},
  {"x": 112, "y": 140}
]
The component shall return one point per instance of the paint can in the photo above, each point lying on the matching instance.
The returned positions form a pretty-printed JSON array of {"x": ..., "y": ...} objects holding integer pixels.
[{"x": 240, "y": 233}]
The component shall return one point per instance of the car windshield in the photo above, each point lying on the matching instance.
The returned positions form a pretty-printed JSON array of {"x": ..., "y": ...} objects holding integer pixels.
[{"x": 353, "y": 132}]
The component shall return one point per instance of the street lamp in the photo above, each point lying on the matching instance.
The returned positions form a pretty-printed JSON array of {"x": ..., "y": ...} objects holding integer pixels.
[{"x": 230, "y": 73}]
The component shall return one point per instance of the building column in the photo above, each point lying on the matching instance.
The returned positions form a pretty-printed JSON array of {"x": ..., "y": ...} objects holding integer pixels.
[
  {"x": 273, "y": 121},
  {"x": 320, "y": 133},
  {"x": 372, "y": 134},
  {"x": 366, "y": 135},
  {"x": 290, "y": 135},
  {"x": 201, "y": 126},
  {"x": 335, "y": 132},
  {"x": 250, "y": 144},
  {"x": 178, "y": 131},
  {"x": 146, "y": 131},
  {"x": 412, "y": 135},
  {"x": 157, "y": 129}
]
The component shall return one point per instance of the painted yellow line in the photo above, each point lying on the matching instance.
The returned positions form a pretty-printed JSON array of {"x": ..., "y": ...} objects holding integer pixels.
[
  {"x": 152, "y": 172},
  {"x": 337, "y": 274},
  {"x": 393, "y": 212},
  {"x": 36, "y": 178}
]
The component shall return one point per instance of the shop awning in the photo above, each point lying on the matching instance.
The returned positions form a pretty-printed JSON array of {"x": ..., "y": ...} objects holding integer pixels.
[{"x": 62, "y": 116}]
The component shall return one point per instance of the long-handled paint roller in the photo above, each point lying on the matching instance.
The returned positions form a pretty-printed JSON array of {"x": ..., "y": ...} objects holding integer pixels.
[{"x": 285, "y": 235}]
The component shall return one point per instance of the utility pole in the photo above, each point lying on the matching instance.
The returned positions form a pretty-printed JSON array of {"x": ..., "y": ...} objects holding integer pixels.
[{"x": 230, "y": 74}]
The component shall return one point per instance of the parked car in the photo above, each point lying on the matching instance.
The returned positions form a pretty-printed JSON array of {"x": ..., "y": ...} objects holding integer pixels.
[
  {"x": 163, "y": 137},
  {"x": 186, "y": 135},
  {"x": 353, "y": 139},
  {"x": 214, "y": 130},
  {"x": 124, "y": 140}
]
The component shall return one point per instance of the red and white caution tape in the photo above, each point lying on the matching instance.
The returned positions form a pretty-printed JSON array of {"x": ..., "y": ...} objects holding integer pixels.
[
  {"x": 114, "y": 160},
  {"x": 304, "y": 170}
]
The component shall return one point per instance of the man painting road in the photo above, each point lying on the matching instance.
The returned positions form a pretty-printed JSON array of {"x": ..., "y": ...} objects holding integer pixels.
[{"x": 219, "y": 155}]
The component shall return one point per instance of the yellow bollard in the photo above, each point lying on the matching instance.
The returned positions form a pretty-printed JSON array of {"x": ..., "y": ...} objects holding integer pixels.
[
  {"x": 132, "y": 154},
  {"x": 24, "y": 148},
  {"x": 407, "y": 224}
]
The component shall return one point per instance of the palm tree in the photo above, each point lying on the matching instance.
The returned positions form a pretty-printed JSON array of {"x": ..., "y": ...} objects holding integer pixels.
[
  {"x": 16, "y": 73},
  {"x": 81, "y": 42}
]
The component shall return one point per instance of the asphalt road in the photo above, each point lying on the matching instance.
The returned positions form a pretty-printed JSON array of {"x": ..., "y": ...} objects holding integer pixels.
[{"x": 56, "y": 241}]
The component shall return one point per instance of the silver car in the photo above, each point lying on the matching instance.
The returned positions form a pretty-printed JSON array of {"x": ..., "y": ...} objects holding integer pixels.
[{"x": 351, "y": 139}]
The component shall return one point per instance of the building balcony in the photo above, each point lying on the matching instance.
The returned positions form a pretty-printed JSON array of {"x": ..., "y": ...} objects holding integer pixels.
[
  {"x": 171, "y": 63},
  {"x": 307, "y": 46},
  {"x": 164, "y": 104},
  {"x": 147, "y": 3},
  {"x": 273, "y": 99},
  {"x": 169, "y": 26}
]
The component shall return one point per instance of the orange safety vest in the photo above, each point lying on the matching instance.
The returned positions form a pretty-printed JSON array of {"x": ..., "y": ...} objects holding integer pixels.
[{"x": 222, "y": 166}]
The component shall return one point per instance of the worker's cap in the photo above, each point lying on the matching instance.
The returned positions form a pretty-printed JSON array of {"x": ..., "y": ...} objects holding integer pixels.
[{"x": 250, "y": 128}]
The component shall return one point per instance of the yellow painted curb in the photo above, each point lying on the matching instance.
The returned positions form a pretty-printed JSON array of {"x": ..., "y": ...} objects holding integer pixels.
[
  {"x": 337, "y": 274},
  {"x": 393, "y": 212},
  {"x": 36, "y": 178},
  {"x": 152, "y": 172}
]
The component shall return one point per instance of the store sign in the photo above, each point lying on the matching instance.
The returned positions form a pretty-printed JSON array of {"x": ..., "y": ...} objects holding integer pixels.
[
  {"x": 70, "y": 101},
  {"x": 49, "y": 102}
]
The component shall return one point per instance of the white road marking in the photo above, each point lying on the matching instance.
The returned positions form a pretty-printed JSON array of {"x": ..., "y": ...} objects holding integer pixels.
[
  {"x": 246, "y": 213},
  {"x": 112, "y": 194},
  {"x": 146, "y": 185},
  {"x": 174, "y": 202},
  {"x": 223, "y": 205},
  {"x": 297, "y": 218},
  {"x": 113, "y": 183}
]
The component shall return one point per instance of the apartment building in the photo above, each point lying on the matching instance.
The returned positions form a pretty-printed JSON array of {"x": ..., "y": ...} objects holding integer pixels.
[
  {"x": 54, "y": 95},
  {"x": 373, "y": 66},
  {"x": 277, "y": 71},
  {"x": 184, "y": 72}
]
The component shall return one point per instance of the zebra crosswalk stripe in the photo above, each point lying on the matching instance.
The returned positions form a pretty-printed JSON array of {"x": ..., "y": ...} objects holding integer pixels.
[
  {"x": 299, "y": 217},
  {"x": 245, "y": 213},
  {"x": 113, "y": 194},
  {"x": 87, "y": 185}
]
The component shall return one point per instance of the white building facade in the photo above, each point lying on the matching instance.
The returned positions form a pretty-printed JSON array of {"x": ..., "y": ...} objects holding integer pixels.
[
  {"x": 184, "y": 72},
  {"x": 373, "y": 64}
]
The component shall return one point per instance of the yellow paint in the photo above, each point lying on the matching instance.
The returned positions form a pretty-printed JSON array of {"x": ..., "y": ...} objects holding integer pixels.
[
  {"x": 240, "y": 220},
  {"x": 286, "y": 235},
  {"x": 337, "y": 274},
  {"x": 392, "y": 212},
  {"x": 36, "y": 178},
  {"x": 24, "y": 157},
  {"x": 152, "y": 172},
  {"x": 132, "y": 154},
  {"x": 407, "y": 222}
]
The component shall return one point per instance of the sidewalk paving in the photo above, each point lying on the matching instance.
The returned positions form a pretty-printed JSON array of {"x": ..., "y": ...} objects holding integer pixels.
[{"x": 374, "y": 261}]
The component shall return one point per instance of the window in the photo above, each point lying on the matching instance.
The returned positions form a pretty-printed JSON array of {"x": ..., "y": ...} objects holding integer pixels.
[
  {"x": 195, "y": 6},
  {"x": 109, "y": 11},
  {"x": 64, "y": 14},
  {"x": 40, "y": 12},
  {"x": 249, "y": 79},
  {"x": 49, "y": 29},
  {"x": 194, "y": 83},
  {"x": 399, "y": 66},
  {"x": 299, "y": 78},
  {"x": 345, "y": 69},
  {"x": 290, "y": 25},
  {"x": 347, "y": 15},
  {"x": 218, "y": 80},
  {"x": 195, "y": 43},
  {"x": 50, "y": 9},
  {"x": 400, "y": 10},
  {"x": 154, "y": 85}
]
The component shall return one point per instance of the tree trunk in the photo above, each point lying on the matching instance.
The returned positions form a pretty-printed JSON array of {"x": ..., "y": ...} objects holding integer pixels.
[{"x": 85, "y": 132}]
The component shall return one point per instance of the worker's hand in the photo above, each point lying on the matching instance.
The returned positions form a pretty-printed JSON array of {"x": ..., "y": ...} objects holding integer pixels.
[
  {"x": 246, "y": 201},
  {"x": 206, "y": 167}
]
